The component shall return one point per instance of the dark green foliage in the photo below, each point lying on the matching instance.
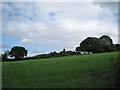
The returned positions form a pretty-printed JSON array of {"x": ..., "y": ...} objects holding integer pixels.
[
  {"x": 64, "y": 50},
  {"x": 91, "y": 44},
  {"x": 97, "y": 45},
  {"x": 68, "y": 53},
  {"x": 5, "y": 55},
  {"x": 107, "y": 43},
  {"x": 53, "y": 54},
  {"x": 117, "y": 47},
  {"x": 18, "y": 52},
  {"x": 77, "y": 49}
]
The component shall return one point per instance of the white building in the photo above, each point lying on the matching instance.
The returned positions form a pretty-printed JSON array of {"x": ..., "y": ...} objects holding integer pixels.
[
  {"x": 90, "y": 52},
  {"x": 85, "y": 52}
]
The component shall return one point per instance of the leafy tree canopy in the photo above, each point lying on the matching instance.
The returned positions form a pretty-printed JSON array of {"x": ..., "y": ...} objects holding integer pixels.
[
  {"x": 18, "y": 52},
  {"x": 107, "y": 43},
  {"x": 117, "y": 47},
  {"x": 96, "y": 45},
  {"x": 91, "y": 44}
]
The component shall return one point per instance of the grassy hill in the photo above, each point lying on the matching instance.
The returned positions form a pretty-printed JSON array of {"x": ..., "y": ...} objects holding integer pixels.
[{"x": 80, "y": 71}]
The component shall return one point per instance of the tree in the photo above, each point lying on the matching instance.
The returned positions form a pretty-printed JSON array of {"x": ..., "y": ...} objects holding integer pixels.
[
  {"x": 53, "y": 54},
  {"x": 18, "y": 52},
  {"x": 97, "y": 45},
  {"x": 117, "y": 47},
  {"x": 107, "y": 43},
  {"x": 70, "y": 53},
  {"x": 5, "y": 55},
  {"x": 64, "y": 50},
  {"x": 91, "y": 44},
  {"x": 77, "y": 49}
]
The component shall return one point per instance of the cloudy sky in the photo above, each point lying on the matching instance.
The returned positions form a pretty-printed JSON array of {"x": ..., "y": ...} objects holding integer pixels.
[{"x": 48, "y": 26}]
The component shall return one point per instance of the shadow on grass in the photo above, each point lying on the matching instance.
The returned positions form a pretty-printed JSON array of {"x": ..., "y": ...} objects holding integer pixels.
[{"x": 117, "y": 75}]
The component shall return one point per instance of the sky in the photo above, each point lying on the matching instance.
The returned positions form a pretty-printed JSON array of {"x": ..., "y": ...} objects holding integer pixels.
[{"x": 43, "y": 27}]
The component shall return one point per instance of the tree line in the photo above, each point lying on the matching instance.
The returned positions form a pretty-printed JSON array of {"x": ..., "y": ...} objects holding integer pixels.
[{"x": 90, "y": 44}]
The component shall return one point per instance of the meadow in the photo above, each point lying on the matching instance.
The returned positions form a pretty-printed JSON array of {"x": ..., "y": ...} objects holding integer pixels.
[{"x": 79, "y": 71}]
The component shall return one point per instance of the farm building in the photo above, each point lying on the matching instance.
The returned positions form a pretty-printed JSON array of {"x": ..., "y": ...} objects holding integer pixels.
[{"x": 85, "y": 52}]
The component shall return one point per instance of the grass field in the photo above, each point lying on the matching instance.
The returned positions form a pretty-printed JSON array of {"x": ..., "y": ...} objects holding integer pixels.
[{"x": 80, "y": 71}]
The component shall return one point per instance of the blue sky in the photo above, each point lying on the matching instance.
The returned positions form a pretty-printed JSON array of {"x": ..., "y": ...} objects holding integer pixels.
[{"x": 45, "y": 27}]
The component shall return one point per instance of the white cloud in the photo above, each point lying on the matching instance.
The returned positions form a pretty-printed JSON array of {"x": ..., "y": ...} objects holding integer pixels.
[
  {"x": 66, "y": 27},
  {"x": 25, "y": 41}
]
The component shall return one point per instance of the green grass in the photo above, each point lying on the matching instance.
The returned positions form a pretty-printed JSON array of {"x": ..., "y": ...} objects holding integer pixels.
[{"x": 63, "y": 72}]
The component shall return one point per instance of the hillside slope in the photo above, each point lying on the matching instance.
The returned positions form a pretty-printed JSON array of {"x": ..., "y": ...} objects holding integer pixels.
[{"x": 80, "y": 71}]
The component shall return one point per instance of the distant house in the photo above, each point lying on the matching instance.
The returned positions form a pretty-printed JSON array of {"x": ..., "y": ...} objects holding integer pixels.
[
  {"x": 90, "y": 52},
  {"x": 85, "y": 52}
]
